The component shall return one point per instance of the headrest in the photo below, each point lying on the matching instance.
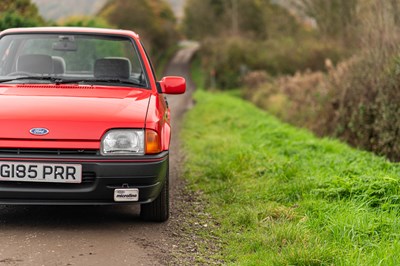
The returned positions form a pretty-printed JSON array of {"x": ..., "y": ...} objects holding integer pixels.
[
  {"x": 112, "y": 68},
  {"x": 122, "y": 58},
  {"x": 35, "y": 63},
  {"x": 58, "y": 65}
]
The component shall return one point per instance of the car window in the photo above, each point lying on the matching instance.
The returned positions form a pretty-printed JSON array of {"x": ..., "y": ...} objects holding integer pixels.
[{"x": 71, "y": 56}]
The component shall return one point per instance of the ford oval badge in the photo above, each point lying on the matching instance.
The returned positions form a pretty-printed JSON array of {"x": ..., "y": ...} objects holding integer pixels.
[{"x": 39, "y": 131}]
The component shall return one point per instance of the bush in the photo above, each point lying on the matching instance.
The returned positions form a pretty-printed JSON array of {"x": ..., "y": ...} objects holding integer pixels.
[
  {"x": 357, "y": 101},
  {"x": 296, "y": 99},
  {"x": 242, "y": 35},
  {"x": 14, "y": 20},
  {"x": 19, "y": 13},
  {"x": 366, "y": 105},
  {"x": 258, "y": 20},
  {"x": 231, "y": 58}
]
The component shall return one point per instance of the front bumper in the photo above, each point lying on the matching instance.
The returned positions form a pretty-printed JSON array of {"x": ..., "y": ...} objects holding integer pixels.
[{"x": 101, "y": 176}]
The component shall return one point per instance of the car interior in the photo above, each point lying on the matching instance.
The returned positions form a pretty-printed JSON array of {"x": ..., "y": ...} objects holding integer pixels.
[{"x": 104, "y": 68}]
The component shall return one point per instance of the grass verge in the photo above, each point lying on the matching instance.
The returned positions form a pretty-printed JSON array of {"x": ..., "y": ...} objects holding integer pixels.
[{"x": 281, "y": 196}]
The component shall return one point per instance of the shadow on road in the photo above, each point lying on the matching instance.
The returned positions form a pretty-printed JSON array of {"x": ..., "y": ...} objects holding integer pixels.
[{"x": 77, "y": 217}]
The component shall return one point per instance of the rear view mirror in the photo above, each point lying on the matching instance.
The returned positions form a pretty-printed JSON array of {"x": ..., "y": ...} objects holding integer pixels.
[
  {"x": 65, "y": 43},
  {"x": 173, "y": 85}
]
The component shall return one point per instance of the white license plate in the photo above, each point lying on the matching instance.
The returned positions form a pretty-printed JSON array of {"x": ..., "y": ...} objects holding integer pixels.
[
  {"x": 126, "y": 194},
  {"x": 40, "y": 172}
]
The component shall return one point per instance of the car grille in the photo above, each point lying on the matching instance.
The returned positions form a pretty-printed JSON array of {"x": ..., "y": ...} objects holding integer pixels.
[
  {"x": 47, "y": 152},
  {"x": 88, "y": 177}
]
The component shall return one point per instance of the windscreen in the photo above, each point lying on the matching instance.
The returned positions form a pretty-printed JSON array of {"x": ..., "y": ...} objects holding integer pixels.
[{"x": 70, "y": 57}]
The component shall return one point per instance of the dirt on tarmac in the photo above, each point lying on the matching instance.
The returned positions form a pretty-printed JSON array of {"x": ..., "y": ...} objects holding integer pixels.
[{"x": 107, "y": 235}]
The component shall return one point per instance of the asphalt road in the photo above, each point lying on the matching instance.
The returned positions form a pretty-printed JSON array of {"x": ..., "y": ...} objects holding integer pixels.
[{"x": 87, "y": 235}]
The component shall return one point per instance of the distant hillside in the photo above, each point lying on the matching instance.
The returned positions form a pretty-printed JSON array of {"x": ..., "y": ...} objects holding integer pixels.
[{"x": 55, "y": 10}]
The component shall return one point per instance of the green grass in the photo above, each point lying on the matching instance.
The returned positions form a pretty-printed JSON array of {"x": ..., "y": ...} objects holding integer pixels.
[
  {"x": 197, "y": 72},
  {"x": 281, "y": 196}
]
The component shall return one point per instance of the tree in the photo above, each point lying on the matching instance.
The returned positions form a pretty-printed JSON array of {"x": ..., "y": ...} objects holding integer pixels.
[
  {"x": 19, "y": 13},
  {"x": 335, "y": 19},
  {"x": 152, "y": 19},
  {"x": 249, "y": 18}
]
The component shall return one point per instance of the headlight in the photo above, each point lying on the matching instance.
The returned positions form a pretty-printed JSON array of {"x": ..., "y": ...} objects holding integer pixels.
[{"x": 123, "y": 142}]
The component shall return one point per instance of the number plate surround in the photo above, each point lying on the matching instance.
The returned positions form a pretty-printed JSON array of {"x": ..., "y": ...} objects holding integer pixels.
[{"x": 40, "y": 172}]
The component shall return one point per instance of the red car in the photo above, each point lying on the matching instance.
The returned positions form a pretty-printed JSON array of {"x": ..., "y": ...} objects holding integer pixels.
[{"x": 83, "y": 120}]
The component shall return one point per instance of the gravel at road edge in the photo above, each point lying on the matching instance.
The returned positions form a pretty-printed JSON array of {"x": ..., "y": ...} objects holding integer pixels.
[{"x": 189, "y": 223}]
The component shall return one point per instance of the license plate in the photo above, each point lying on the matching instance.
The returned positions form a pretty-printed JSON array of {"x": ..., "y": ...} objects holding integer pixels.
[
  {"x": 40, "y": 172},
  {"x": 126, "y": 194}
]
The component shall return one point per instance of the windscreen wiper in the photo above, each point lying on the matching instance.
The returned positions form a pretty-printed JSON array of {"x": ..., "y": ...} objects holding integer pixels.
[
  {"x": 49, "y": 78},
  {"x": 58, "y": 80},
  {"x": 101, "y": 80}
]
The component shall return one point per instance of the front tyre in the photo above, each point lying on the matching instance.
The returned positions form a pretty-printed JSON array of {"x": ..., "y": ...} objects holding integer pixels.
[{"x": 158, "y": 210}]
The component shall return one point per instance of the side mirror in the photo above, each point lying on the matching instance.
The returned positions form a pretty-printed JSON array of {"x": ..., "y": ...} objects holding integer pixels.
[{"x": 173, "y": 85}]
